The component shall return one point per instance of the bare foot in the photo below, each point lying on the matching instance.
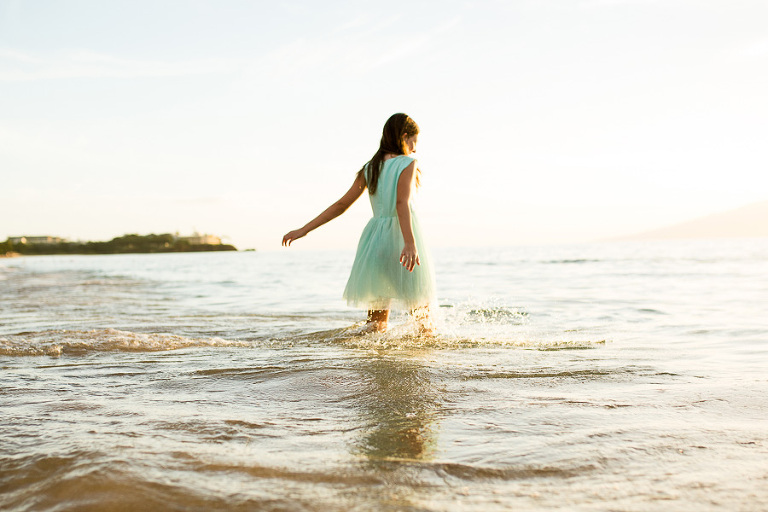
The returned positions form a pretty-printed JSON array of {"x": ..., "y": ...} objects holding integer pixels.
[
  {"x": 423, "y": 318},
  {"x": 374, "y": 327},
  {"x": 377, "y": 320},
  {"x": 427, "y": 329}
]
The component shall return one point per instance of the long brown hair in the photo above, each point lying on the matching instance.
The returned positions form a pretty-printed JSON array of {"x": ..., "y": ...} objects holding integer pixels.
[{"x": 396, "y": 129}]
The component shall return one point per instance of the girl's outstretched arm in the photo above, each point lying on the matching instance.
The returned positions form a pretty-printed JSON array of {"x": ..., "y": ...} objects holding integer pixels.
[
  {"x": 409, "y": 257},
  {"x": 333, "y": 211}
]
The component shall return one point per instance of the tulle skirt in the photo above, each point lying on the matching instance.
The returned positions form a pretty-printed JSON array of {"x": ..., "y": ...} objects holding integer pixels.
[{"x": 378, "y": 280}]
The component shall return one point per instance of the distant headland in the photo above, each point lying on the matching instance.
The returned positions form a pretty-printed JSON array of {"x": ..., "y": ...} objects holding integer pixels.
[
  {"x": 126, "y": 244},
  {"x": 745, "y": 222}
]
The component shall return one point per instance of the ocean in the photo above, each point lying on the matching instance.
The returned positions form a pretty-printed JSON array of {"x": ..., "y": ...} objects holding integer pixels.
[{"x": 612, "y": 376}]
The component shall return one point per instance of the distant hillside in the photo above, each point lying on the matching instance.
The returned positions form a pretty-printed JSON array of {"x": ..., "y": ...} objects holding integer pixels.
[{"x": 747, "y": 221}]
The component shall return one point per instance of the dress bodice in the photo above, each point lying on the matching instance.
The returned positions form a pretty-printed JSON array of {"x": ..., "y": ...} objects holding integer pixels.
[{"x": 384, "y": 200}]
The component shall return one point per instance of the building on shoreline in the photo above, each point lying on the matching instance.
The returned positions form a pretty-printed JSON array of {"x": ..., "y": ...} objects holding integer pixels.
[
  {"x": 198, "y": 239},
  {"x": 195, "y": 239},
  {"x": 36, "y": 240}
]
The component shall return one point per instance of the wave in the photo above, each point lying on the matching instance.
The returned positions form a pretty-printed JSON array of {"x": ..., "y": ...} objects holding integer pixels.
[
  {"x": 571, "y": 261},
  {"x": 542, "y": 374},
  {"x": 407, "y": 337},
  {"x": 60, "y": 342},
  {"x": 459, "y": 326},
  {"x": 498, "y": 315},
  {"x": 402, "y": 337}
]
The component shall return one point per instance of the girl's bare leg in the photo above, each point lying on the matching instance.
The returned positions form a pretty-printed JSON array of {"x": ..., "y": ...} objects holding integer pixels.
[
  {"x": 423, "y": 318},
  {"x": 377, "y": 320}
]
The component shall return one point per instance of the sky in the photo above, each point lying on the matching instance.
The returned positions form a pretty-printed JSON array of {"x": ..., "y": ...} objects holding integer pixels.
[{"x": 542, "y": 121}]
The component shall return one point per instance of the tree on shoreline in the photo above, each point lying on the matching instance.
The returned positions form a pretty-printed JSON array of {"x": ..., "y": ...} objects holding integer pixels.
[{"x": 126, "y": 244}]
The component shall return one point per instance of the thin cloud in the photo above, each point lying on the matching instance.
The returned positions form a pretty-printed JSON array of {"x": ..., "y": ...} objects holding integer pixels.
[
  {"x": 752, "y": 49},
  {"x": 9, "y": 54},
  {"x": 195, "y": 201},
  {"x": 362, "y": 50},
  {"x": 79, "y": 63},
  {"x": 744, "y": 51},
  {"x": 353, "y": 23},
  {"x": 592, "y": 4}
]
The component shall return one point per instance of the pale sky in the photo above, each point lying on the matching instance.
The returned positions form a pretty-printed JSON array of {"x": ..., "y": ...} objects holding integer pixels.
[{"x": 542, "y": 121}]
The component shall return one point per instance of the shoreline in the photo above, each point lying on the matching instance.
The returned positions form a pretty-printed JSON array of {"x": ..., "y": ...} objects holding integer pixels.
[{"x": 9, "y": 255}]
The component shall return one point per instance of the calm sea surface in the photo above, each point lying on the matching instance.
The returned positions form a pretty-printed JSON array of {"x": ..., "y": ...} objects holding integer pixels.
[{"x": 593, "y": 377}]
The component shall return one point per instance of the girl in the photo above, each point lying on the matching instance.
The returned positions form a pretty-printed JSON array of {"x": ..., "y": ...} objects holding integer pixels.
[{"x": 391, "y": 265}]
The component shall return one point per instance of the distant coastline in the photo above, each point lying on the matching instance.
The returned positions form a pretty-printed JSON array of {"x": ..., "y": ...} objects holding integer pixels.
[
  {"x": 750, "y": 221},
  {"x": 126, "y": 244}
]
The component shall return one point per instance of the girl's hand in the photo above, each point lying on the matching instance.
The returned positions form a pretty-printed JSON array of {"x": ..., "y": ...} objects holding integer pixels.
[
  {"x": 409, "y": 257},
  {"x": 293, "y": 235}
]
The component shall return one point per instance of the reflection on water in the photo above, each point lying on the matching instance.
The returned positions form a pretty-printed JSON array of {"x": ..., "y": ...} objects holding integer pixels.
[{"x": 400, "y": 410}]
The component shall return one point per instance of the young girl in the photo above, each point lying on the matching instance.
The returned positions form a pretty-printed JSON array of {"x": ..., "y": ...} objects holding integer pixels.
[{"x": 391, "y": 266}]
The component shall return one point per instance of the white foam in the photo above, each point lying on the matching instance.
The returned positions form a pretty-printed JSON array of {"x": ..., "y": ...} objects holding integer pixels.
[
  {"x": 56, "y": 343},
  {"x": 407, "y": 337}
]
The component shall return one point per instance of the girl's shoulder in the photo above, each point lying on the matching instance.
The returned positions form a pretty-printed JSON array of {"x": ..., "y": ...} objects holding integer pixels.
[
  {"x": 400, "y": 163},
  {"x": 401, "y": 160}
]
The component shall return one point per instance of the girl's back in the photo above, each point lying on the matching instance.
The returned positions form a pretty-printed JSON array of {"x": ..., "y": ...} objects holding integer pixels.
[{"x": 384, "y": 200}]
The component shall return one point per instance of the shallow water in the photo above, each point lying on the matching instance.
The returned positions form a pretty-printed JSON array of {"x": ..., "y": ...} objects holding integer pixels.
[{"x": 594, "y": 377}]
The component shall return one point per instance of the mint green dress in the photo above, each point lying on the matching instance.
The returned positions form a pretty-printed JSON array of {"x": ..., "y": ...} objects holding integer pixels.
[{"x": 378, "y": 280}]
